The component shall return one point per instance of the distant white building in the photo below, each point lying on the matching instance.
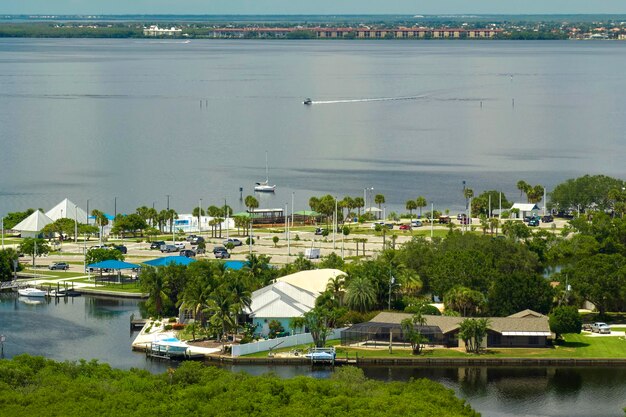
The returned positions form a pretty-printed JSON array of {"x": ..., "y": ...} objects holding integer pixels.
[
  {"x": 526, "y": 209},
  {"x": 189, "y": 223},
  {"x": 66, "y": 209},
  {"x": 154, "y": 30}
]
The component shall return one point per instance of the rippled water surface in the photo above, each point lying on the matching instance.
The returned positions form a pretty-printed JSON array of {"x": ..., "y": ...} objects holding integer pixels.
[{"x": 139, "y": 119}]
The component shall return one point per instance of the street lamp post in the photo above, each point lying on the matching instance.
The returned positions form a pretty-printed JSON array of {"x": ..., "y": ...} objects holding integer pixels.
[
  {"x": 75, "y": 223},
  {"x": 200, "y": 217},
  {"x": 335, "y": 224},
  {"x": 87, "y": 212}
]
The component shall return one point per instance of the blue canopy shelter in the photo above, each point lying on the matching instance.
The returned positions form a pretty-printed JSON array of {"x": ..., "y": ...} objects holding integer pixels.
[
  {"x": 113, "y": 264},
  {"x": 235, "y": 265},
  {"x": 168, "y": 260}
]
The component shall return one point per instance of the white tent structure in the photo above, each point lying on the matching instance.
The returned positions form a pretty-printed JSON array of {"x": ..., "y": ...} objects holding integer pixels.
[
  {"x": 33, "y": 224},
  {"x": 67, "y": 210}
]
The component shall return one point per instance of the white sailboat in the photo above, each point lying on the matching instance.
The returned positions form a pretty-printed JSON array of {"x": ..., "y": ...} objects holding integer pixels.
[{"x": 264, "y": 186}]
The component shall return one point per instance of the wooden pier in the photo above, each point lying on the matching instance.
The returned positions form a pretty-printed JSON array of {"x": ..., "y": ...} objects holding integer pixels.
[{"x": 137, "y": 324}]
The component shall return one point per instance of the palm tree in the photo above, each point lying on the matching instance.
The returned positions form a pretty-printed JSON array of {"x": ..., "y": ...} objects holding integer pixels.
[
  {"x": 154, "y": 283},
  {"x": 241, "y": 294},
  {"x": 359, "y": 203},
  {"x": 361, "y": 294},
  {"x": 222, "y": 308},
  {"x": 467, "y": 193},
  {"x": 410, "y": 206},
  {"x": 252, "y": 203},
  {"x": 379, "y": 199},
  {"x": 101, "y": 220},
  {"x": 523, "y": 187},
  {"x": 171, "y": 215},
  {"x": 198, "y": 212},
  {"x": 336, "y": 286},
  {"x": 195, "y": 299},
  {"x": 421, "y": 202}
]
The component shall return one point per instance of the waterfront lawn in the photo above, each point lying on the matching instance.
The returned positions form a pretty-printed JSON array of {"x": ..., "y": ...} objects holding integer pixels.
[
  {"x": 127, "y": 285},
  {"x": 575, "y": 346},
  {"x": 57, "y": 274}
]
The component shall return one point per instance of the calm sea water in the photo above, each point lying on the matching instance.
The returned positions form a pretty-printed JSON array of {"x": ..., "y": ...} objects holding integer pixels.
[
  {"x": 140, "y": 119},
  {"x": 98, "y": 328}
]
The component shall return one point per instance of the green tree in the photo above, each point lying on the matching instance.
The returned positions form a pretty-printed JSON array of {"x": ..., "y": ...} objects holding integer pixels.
[
  {"x": 511, "y": 293},
  {"x": 421, "y": 203},
  {"x": 380, "y": 200},
  {"x": 466, "y": 302},
  {"x": 275, "y": 240},
  {"x": 480, "y": 204},
  {"x": 336, "y": 286},
  {"x": 360, "y": 294},
  {"x": 565, "y": 319},
  {"x": 410, "y": 206},
  {"x": 587, "y": 192},
  {"x": 523, "y": 187},
  {"x": 34, "y": 247},
  {"x": 152, "y": 281},
  {"x": 318, "y": 322},
  {"x": 101, "y": 220},
  {"x": 600, "y": 279},
  {"x": 359, "y": 203},
  {"x": 96, "y": 255},
  {"x": 473, "y": 332},
  {"x": 412, "y": 327},
  {"x": 8, "y": 262}
]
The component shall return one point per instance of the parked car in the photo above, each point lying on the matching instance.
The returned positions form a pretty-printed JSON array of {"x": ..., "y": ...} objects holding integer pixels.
[
  {"x": 179, "y": 245},
  {"x": 405, "y": 227},
  {"x": 200, "y": 251},
  {"x": 388, "y": 225},
  {"x": 319, "y": 231},
  {"x": 600, "y": 327},
  {"x": 123, "y": 249},
  {"x": 444, "y": 219},
  {"x": 416, "y": 223},
  {"x": 190, "y": 238},
  {"x": 235, "y": 242},
  {"x": 157, "y": 244},
  {"x": 219, "y": 249},
  {"x": 169, "y": 248},
  {"x": 221, "y": 254},
  {"x": 547, "y": 219},
  {"x": 188, "y": 253},
  {"x": 196, "y": 240},
  {"x": 533, "y": 222},
  {"x": 373, "y": 226},
  {"x": 59, "y": 265}
]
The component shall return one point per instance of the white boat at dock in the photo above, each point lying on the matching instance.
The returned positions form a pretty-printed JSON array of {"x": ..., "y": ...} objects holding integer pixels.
[{"x": 31, "y": 292}]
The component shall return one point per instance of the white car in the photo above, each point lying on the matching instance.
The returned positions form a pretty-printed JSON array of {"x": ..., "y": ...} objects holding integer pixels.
[
  {"x": 179, "y": 245},
  {"x": 599, "y": 327}
]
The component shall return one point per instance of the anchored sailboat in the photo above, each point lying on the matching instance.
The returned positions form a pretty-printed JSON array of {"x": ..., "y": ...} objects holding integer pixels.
[{"x": 264, "y": 186}]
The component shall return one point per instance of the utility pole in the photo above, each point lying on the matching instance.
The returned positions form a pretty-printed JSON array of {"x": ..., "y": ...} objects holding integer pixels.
[
  {"x": 87, "y": 212},
  {"x": 200, "y": 217},
  {"x": 335, "y": 224},
  {"x": 75, "y": 223},
  {"x": 114, "y": 208},
  {"x": 432, "y": 220}
]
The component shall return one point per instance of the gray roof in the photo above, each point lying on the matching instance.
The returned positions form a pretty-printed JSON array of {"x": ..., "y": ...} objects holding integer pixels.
[
  {"x": 281, "y": 300},
  {"x": 497, "y": 324}
]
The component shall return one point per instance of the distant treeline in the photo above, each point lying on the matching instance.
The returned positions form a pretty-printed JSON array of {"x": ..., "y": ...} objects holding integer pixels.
[
  {"x": 135, "y": 30},
  {"x": 53, "y": 30}
]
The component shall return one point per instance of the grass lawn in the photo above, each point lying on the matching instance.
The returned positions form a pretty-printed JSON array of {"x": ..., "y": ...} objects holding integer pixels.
[
  {"x": 575, "y": 346},
  {"x": 111, "y": 286},
  {"x": 57, "y": 274}
]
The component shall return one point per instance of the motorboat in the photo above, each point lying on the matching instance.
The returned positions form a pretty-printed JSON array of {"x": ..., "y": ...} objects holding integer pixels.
[
  {"x": 31, "y": 292},
  {"x": 307, "y": 101},
  {"x": 170, "y": 347},
  {"x": 264, "y": 186}
]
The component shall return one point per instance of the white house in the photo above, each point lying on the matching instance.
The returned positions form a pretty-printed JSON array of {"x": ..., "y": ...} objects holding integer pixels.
[
  {"x": 526, "y": 209},
  {"x": 291, "y": 296}
]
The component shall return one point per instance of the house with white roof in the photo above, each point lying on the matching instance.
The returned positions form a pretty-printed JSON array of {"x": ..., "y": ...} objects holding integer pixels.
[
  {"x": 526, "y": 209},
  {"x": 280, "y": 301},
  {"x": 291, "y": 296}
]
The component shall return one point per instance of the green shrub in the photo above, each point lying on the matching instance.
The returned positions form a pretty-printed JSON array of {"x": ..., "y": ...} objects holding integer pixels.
[
  {"x": 168, "y": 327},
  {"x": 172, "y": 320}
]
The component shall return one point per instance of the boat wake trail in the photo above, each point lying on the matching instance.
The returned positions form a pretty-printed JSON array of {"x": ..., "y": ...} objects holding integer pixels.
[{"x": 365, "y": 100}]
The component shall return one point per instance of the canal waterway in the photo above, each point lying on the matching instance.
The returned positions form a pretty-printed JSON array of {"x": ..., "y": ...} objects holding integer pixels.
[
  {"x": 130, "y": 121},
  {"x": 98, "y": 328}
]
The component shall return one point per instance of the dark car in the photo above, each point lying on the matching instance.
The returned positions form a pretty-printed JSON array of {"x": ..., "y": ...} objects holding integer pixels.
[
  {"x": 547, "y": 219},
  {"x": 219, "y": 249},
  {"x": 196, "y": 239},
  {"x": 59, "y": 265},
  {"x": 190, "y": 238},
  {"x": 221, "y": 254},
  {"x": 187, "y": 253},
  {"x": 157, "y": 244},
  {"x": 319, "y": 231},
  {"x": 533, "y": 222},
  {"x": 123, "y": 249}
]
